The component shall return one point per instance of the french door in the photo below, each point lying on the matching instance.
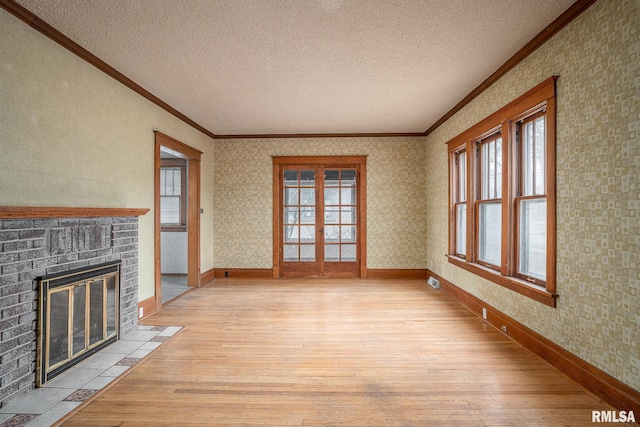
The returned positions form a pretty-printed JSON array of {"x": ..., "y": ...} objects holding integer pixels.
[{"x": 319, "y": 215}]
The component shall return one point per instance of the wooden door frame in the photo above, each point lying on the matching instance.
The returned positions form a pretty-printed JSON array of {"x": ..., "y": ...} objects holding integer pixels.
[
  {"x": 193, "y": 211},
  {"x": 324, "y": 161}
]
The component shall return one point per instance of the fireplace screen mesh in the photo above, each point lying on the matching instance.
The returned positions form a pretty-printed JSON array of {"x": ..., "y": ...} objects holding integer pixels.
[{"x": 79, "y": 315}]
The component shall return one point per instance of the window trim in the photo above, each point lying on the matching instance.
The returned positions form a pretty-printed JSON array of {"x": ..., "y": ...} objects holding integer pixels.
[{"x": 539, "y": 98}]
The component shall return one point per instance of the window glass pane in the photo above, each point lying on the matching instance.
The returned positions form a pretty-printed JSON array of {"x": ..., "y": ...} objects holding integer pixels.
[
  {"x": 170, "y": 181},
  {"x": 461, "y": 229},
  {"x": 484, "y": 154},
  {"x": 348, "y": 177},
  {"x": 307, "y": 233},
  {"x": 291, "y": 216},
  {"x": 307, "y": 196},
  {"x": 533, "y": 157},
  {"x": 332, "y": 233},
  {"x": 307, "y": 178},
  {"x": 348, "y": 252},
  {"x": 331, "y": 196},
  {"x": 331, "y": 215},
  {"x": 290, "y": 233},
  {"x": 348, "y": 233},
  {"x": 498, "y": 168},
  {"x": 291, "y": 196},
  {"x": 491, "y": 169},
  {"x": 176, "y": 187},
  {"x": 290, "y": 178},
  {"x": 307, "y": 215},
  {"x": 291, "y": 252},
  {"x": 348, "y": 196},
  {"x": 490, "y": 232},
  {"x": 527, "y": 159},
  {"x": 462, "y": 177},
  {"x": 331, "y": 178},
  {"x": 170, "y": 210},
  {"x": 533, "y": 238},
  {"x": 307, "y": 253},
  {"x": 540, "y": 156},
  {"x": 332, "y": 252},
  {"x": 348, "y": 215}
]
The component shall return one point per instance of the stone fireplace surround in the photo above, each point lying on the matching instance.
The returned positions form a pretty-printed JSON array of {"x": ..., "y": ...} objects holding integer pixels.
[{"x": 38, "y": 241}]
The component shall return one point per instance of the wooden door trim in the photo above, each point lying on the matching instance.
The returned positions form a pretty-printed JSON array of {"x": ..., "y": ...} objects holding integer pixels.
[
  {"x": 193, "y": 211},
  {"x": 277, "y": 200},
  {"x": 359, "y": 162}
]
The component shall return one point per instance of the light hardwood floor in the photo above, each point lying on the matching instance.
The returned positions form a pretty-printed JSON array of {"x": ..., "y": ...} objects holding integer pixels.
[{"x": 335, "y": 352}]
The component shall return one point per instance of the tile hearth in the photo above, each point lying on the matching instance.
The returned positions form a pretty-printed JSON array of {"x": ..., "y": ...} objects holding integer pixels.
[{"x": 44, "y": 406}]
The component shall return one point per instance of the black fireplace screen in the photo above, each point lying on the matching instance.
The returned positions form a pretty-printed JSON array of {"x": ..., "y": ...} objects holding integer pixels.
[{"x": 78, "y": 316}]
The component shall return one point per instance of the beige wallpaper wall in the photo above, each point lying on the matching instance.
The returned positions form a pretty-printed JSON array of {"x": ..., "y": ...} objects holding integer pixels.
[
  {"x": 243, "y": 219},
  {"x": 72, "y": 136},
  {"x": 598, "y": 153}
]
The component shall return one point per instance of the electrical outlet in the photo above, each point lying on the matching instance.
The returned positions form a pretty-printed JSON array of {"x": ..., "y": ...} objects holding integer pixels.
[
  {"x": 504, "y": 329},
  {"x": 484, "y": 313},
  {"x": 140, "y": 312}
]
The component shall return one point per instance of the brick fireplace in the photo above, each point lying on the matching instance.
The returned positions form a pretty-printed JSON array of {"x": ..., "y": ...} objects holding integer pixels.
[{"x": 39, "y": 242}]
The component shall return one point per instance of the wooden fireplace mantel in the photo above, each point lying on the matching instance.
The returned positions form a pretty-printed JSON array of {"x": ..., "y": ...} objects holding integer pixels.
[{"x": 30, "y": 212}]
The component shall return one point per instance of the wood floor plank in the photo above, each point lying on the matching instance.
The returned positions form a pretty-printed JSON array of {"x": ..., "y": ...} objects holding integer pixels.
[{"x": 334, "y": 352}]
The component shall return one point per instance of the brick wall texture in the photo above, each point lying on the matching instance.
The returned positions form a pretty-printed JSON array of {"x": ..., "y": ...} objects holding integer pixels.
[{"x": 30, "y": 249}]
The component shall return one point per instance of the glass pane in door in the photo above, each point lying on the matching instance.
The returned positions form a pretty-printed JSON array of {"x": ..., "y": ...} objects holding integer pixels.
[
  {"x": 299, "y": 231},
  {"x": 340, "y": 215}
]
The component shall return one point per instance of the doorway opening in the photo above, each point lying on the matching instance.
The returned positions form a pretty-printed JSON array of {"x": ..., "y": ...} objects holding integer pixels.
[
  {"x": 319, "y": 216},
  {"x": 177, "y": 218}
]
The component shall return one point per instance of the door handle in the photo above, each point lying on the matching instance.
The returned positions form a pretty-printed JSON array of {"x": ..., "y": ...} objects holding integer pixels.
[{"x": 321, "y": 230}]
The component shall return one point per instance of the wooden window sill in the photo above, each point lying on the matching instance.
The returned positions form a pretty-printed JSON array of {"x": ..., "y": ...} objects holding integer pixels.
[{"x": 520, "y": 286}]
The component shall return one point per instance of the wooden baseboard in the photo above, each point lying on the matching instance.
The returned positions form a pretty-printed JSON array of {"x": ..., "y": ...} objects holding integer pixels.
[
  {"x": 244, "y": 273},
  {"x": 207, "y": 276},
  {"x": 267, "y": 273},
  {"x": 148, "y": 307},
  {"x": 611, "y": 390},
  {"x": 382, "y": 273}
]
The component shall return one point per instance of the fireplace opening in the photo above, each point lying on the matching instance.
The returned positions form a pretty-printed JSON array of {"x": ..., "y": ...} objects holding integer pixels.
[{"x": 78, "y": 316}]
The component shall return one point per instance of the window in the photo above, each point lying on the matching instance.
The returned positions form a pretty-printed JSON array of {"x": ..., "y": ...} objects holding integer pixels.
[
  {"x": 502, "y": 197},
  {"x": 489, "y": 201},
  {"x": 173, "y": 194},
  {"x": 531, "y": 201}
]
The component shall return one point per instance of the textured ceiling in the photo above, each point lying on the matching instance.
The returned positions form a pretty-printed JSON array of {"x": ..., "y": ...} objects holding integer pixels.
[{"x": 304, "y": 66}]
